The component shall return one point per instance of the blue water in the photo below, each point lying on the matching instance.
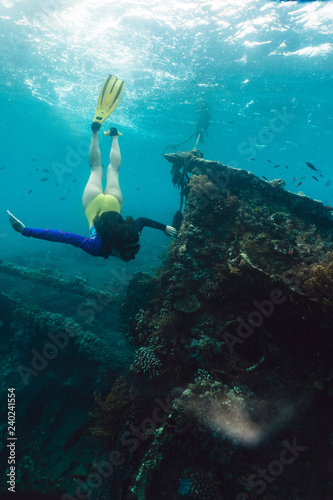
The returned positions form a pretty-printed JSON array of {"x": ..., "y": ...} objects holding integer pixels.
[{"x": 253, "y": 60}]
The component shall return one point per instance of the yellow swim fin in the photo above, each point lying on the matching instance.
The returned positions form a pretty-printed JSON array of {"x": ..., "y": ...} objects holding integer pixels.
[{"x": 108, "y": 98}]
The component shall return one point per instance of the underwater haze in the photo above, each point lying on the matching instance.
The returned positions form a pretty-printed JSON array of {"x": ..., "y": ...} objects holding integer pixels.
[{"x": 185, "y": 373}]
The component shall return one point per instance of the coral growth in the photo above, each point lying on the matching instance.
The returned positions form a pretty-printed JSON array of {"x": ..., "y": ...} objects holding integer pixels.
[
  {"x": 205, "y": 195},
  {"x": 204, "y": 485},
  {"x": 188, "y": 304},
  {"x": 309, "y": 244},
  {"x": 146, "y": 363},
  {"x": 106, "y": 418},
  {"x": 316, "y": 280},
  {"x": 241, "y": 355}
]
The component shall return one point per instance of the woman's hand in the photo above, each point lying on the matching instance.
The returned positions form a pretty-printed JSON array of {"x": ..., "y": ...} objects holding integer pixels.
[
  {"x": 16, "y": 224},
  {"x": 170, "y": 231}
]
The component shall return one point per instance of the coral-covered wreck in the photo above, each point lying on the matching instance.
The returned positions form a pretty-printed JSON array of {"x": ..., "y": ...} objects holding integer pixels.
[{"x": 229, "y": 393}]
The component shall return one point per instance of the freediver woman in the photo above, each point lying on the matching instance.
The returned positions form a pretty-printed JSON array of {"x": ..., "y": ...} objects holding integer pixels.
[{"x": 109, "y": 232}]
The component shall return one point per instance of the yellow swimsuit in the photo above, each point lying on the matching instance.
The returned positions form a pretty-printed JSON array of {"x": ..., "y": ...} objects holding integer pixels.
[{"x": 101, "y": 203}]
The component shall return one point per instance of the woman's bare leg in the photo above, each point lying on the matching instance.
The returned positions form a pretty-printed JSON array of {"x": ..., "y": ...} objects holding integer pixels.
[
  {"x": 112, "y": 174},
  {"x": 94, "y": 184}
]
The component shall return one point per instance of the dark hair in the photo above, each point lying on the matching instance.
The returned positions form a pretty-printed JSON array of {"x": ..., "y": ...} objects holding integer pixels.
[{"x": 115, "y": 231}]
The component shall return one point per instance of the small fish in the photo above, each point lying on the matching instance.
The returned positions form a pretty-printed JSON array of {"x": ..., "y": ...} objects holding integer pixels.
[
  {"x": 37, "y": 169},
  {"x": 328, "y": 207},
  {"x": 328, "y": 183},
  {"x": 44, "y": 179},
  {"x": 264, "y": 178},
  {"x": 45, "y": 170},
  {"x": 30, "y": 191},
  {"x": 276, "y": 166},
  {"x": 294, "y": 178},
  {"x": 315, "y": 178},
  {"x": 62, "y": 198},
  {"x": 302, "y": 177},
  {"x": 230, "y": 123},
  {"x": 318, "y": 236},
  {"x": 286, "y": 166},
  {"x": 269, "y": 161},
  {"x": 79, "y": 478},
  {"x": 298, "y": 185},
  {"x": 74, "y": 180},
  {"x": 138, "y": 189},
  {"x": 321, "y": 175},
  {"x": 252, "y": 159},
  {"x": 29, "y": 173},
  {"x": 2, "y": 168},
  {"x": 311, "y": 166},
  {"x": 33, "y": 159}
]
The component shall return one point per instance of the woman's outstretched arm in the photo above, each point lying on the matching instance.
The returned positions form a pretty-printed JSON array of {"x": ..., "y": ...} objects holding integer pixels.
[
  {"x": 93, "y": 246},
  {"x": 142, "y": 222}
]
